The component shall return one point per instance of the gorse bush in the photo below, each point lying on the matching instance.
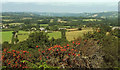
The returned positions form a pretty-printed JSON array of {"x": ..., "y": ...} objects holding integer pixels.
[{"x": 14, "y": 58}]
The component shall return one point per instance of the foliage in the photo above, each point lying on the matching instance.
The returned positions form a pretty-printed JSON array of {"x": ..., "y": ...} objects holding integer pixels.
[
  {"x": 110, "y": 50},
  {"x": 37, "y": 38},
  {"x": 63, "y": 34},
  {"x": 116, "y": 33},
  {"x": 64, "y": 55},
  {"x": 97, "y": 48},
  {"x": 54, "y": 28},
  {"x": 5, "y": 44},
  {"x": 109, "y": 46},
  {"x": 13, "y": 58}
]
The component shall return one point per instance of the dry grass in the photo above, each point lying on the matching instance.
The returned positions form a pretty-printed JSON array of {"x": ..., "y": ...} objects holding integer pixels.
[
  {"x": 75, "y": 34},
  {"x": 72, "y": 29}
]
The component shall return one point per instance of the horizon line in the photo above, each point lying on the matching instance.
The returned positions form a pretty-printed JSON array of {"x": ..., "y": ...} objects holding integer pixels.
[{"x": 57, "y": 12}]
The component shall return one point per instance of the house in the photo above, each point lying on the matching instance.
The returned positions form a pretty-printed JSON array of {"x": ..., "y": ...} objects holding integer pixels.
[
  {"x": 61, "y": 28},
  {"x": 42, "y": 29},
  {"x": 46, "y": 31},
  {"x": 60, "y": 21},
  {"x": 4, "y": 26},
  {"x": 115, "y": 28}
]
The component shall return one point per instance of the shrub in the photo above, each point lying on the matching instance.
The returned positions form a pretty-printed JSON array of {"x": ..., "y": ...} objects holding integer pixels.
[{"x": 13, "y": 58}]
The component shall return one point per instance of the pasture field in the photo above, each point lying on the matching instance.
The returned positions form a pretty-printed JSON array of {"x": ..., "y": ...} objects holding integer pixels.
[
  {"x": 15, "y": 23},
  {"x": 74, "y": 20},
  {"x": 91, "y": 20},
  {"x": 66, "y": 26},
  {"x": 23, "y": 35},
  {"x": 43, "y": 25},
  {"x": 55, "y": 34},
  {"x": 7, "y": 36},
  {"x": 7, "y": 20},
  {"x": 40, "y": 20},
  {"x": 70, "y": 35},
  {"x": 75, "y": 34},
  {"x": 26, "y": 18},
  {"x": 4, "y": 16}
]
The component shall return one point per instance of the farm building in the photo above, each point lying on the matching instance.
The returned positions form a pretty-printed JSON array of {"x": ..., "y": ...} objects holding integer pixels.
[
  {"x": 42, "y": 29},
  {"x": 61, "y": 28},
  {"x": 115, "y": 28},
  {"x": 4, "y": 26},
  {"x": 60, "y": 21}
]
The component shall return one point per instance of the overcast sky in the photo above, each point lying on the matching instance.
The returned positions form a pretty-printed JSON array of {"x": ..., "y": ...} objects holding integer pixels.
[
  {"x": 72, "y": 6},
  {"x": 60, "y": 0}
]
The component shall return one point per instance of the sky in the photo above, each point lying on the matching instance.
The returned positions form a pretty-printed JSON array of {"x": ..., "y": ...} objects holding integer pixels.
[
  {"x": 71, "y": 6},
  {"x": 60, "y": 1}
]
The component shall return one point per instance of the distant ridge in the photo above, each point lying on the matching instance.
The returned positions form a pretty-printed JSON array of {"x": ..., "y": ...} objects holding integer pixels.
[{"x": 112, "y": 14}]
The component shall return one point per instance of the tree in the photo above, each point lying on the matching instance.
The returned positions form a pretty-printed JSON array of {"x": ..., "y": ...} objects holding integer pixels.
[
  {"x": 47, "y": 28},
  {"x": 5, "y": 45},
  {"x": 80, "y": 28},
  {"x": 54, "y": 28},
  {"x": 14, "y": 37},
  {"x": 37, "y": 26},
  {"x": 39, "y": 37},
  {"x": 63, "y": 34}
]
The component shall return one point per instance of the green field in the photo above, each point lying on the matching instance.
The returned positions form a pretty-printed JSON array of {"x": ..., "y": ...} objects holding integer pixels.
[
  {"x": 92, "y": 20},
  {"x": 56, "y": 35},
  {"x": 23, "y": 35},
  {"x": 7, "y": 20},
  {"x": 43, "y": 25},
  {"x": 70, "y": 35},
  {"x": 7, "y": 35},
  {"x": 15, "y": 23}
]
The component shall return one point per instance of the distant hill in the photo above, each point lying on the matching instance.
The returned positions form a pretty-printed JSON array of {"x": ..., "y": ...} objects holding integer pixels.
[
  {"x": 100, "y": 14},
  {"x": 113, "y": 14}
]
